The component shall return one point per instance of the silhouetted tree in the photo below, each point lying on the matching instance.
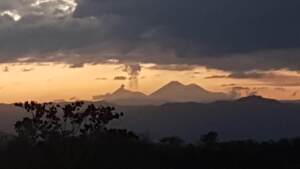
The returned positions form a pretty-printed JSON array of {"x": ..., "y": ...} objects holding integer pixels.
[
  {"x": 209, "y": 138},
  {"x": 76, "y": 135},
  {"x": 172, "y": 141},
  {"x": 50, "y": 120}
]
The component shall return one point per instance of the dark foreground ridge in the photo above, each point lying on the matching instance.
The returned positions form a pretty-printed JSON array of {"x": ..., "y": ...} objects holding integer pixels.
[{"x": 76, "y": 136}]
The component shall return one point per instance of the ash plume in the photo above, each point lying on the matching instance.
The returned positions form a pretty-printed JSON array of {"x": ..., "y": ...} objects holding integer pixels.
[{"x": 133, "y": 71}]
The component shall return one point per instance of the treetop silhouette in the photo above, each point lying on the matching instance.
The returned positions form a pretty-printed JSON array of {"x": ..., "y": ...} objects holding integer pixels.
[{"x": 49, "y": 120}]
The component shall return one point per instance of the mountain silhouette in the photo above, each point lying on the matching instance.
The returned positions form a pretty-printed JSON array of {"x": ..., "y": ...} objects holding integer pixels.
[
  {"x": 178, "y": 92},
  {"x": 123, "y": 96},
  {"x": 171, "y": 92},
  {"x": 256, "y": 99}
]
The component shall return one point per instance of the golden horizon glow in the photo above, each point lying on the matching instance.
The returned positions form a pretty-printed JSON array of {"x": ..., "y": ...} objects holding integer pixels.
[{"x": 51, "y": 81}]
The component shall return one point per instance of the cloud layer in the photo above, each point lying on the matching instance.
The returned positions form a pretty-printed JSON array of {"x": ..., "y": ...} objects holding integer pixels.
[{"x": 234, "y": 35}]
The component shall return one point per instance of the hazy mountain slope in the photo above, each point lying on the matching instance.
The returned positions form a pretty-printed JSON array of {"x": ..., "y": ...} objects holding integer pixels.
[
  {"x": 123, "y": 96},
  {"x": 121, "y": 93},
  {"x": 9, "y": 114},
  {"x": 171, "y": 92},
  {"x": 251, "y": 117},
  {"x": 177, "y": 92}
]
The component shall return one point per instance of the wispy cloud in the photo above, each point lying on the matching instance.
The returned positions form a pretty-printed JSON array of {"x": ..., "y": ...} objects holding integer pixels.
[
  {"x": 101, "y": 78},
  {"x": 120, "y": 78},
  {"x": 267, "y": 78},
  {"x": 27, "y": 69}
]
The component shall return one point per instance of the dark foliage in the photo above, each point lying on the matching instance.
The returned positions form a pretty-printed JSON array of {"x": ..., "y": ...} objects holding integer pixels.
[
  {"x": 96, "y": 146},
  {"x": 50, "y": 120},
  {"x": 210, "y": 138}
]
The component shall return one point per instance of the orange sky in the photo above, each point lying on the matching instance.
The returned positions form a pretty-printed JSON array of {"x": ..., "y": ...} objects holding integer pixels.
[{"x": 50, "y": 81}]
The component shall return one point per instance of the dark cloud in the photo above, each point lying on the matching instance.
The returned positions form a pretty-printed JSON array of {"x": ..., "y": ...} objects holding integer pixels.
[
  {"x": 235, "y": 35},
  {"x": 209, "y": 30},
  {"x": 216, "y": 77},
  {"x": 120, "y": 78},
  {"x": 27, "y": 69},
  {"x": 174, "y": 67},
  {"x": 197, "y": 73},
  {"x": 281, "y": 89},
  {"x": 229, "y": 85},
  {"x": 101, "y": 78},
  {"x": 266, "y": 78},
  {"x": 246, "y": 75},
  {"x": 239, "y": 88},
  {"x": 249, "y": 75},
  {"x": 6, "y": 69},
  {"x": 247, "y": 91},
  {"x": 260, "y": 88},
  {"x": 76, "y": 65},
  {"x": 270, "y": 78},
  {"x": 213, "y": 27},
  {"x": 133, "y": 71}
]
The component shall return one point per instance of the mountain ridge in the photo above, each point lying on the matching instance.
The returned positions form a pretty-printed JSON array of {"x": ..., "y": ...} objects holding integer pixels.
[
  {"x": 252, "y": 117},
  {"x": 173, "y": 91}
]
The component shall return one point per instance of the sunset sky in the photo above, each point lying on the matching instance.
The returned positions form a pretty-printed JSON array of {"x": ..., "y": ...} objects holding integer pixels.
[{"x": 76, "y": 49}]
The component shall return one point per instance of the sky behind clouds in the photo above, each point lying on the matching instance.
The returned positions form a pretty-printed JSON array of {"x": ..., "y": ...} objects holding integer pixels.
[
  {"x": 238, "y": 39},
  {"x": 251, "y": 34}
]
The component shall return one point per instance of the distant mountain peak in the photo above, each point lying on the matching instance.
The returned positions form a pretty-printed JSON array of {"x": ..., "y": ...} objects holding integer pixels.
[
  {"x": 174, "y": 83},
  {"x": 122, "y": 86},
  {"x": 193, "y": 85},
  {"x": 173, "y": 91},
  {"x": 121, "y": 89},
  {"x": 252, "y": 97},
  {"x": 179, "y": 84},
  {"x": 120, "y": 94},
  {"x": 256, "y": 98}
]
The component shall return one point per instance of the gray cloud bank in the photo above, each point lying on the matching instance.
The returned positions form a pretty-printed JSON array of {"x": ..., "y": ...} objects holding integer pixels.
[
  {"x": 267, "y": 78},
  {"x": 234, "y": 35}
]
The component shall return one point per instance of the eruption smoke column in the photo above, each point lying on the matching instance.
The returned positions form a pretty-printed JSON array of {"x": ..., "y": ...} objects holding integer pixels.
[{"x": 133, "y": 71}]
